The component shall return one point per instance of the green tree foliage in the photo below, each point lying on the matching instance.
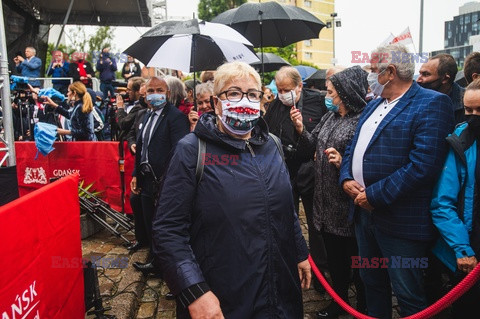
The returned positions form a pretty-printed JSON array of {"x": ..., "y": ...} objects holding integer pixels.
[
  {"x": 94, "y": 44},
  {"x": 209, "y": 9},
  {"x": 288, "y": 53},
  {"x": 102, "y": 38}
]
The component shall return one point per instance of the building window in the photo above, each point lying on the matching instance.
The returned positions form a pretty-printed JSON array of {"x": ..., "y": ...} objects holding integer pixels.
[
  {"x": 445, "y": 44},
  {"x": 449, "y": 33},
  {"x": 474, "y": 18},
  {"x": 308, "y": 43},
  {"x": 461, "y": 20},
  {"x": 307, "y": 4},
  {"x": 307, "y": 55},
  {"x": 467, "y": 19}
]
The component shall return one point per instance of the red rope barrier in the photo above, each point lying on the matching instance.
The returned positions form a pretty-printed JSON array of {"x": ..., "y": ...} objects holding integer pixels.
[{"x": 432, "y": 310}]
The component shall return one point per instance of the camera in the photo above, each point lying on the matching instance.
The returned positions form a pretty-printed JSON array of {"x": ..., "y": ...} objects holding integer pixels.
[{"x": 289, "y": 151}]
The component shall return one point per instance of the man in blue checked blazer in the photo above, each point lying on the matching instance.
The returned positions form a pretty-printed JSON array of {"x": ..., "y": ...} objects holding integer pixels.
[{"x": 389, "y": 171}]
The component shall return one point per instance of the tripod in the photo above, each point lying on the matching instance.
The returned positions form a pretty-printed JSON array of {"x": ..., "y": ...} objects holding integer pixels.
[
  {"x": 92, "y": 293},
  {"x": 98, "y": 209}
]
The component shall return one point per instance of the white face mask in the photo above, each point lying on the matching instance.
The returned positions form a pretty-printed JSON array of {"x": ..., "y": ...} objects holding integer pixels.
[
  {"x": 240, "y": 117},
  {"x": 375, "y": 86},
  {"x": 288, "y": 98}
]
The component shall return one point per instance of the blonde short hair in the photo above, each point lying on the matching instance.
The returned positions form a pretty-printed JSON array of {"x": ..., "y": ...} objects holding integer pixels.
[{"x": 229, "y": 72}]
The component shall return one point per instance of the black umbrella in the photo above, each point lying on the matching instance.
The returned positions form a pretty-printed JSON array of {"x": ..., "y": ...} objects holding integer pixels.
[
  {"x": 271, "y": 24},
  {"x": 317, "y": 79},
  {"x": 191, "y": 46},
  {"x": 271, "y": 62},
  {"x": 318, "y": 75}
]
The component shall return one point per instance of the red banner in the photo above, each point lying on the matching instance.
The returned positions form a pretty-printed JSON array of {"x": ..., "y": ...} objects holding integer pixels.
[
  {"x": 95, "y": 162},
  {"x": 41, "y": 253}
]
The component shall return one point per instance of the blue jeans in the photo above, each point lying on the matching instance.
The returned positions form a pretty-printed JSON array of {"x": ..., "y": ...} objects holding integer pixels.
[
  {"x": 105, "y": 88},
  {"x": 406, "y": 280}
]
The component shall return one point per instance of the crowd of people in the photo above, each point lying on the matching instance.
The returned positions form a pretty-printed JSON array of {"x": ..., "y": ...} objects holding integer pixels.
[{"x": 386, "y": 168}]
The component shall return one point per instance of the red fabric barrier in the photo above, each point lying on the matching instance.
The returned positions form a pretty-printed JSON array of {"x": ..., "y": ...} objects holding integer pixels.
[
  {"x": 95, "y": 162},
  {"x": 41, "y": 254}
]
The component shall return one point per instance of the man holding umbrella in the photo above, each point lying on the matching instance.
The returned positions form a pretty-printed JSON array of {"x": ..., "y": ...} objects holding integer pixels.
[{"x": 292, "y": 94}]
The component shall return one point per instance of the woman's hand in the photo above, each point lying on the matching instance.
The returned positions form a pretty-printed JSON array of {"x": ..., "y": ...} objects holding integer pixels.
[
  {"x": 193, "y": 116},
  {"x": 206, "y": 307},
  {"x": 467, "y": 264},
  {"x": 305, "y": 273},
  {"x": 297, "y": 119},
  {"x": 61, "y": 131},
  {"x": 333, "y": 156},
  {"x": 49, "y": 101}
]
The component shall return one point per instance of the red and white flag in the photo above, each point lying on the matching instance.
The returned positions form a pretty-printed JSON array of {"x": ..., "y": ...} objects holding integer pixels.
[{"x": 404, "y": 38}]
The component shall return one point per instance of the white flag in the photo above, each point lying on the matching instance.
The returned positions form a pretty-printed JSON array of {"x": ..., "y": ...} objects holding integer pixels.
[
  {"x": 388, "y": 40},
  {"x": 404, "y": 38}
]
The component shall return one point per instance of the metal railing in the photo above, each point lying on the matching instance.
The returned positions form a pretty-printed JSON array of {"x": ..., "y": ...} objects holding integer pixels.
[{"x": 47, "y": 82}]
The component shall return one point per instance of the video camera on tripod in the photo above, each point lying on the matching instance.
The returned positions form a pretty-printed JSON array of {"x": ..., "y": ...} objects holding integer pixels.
[{"x": 23, "y": 106}]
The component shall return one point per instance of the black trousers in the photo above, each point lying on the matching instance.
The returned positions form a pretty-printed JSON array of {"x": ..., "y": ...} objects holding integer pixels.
[
  {"x": 315, "y": 240},
  {"x": 339, "y": 252},
  {"x": 140, "y": 230},
  {"x": 148, "y": 209}
]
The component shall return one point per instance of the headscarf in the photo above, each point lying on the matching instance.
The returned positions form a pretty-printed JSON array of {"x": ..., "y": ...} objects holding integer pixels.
[{"x": 351, "y": 85}]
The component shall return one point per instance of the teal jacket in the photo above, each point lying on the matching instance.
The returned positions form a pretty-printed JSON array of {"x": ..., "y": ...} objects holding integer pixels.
[{"x": 453, "y": 199}]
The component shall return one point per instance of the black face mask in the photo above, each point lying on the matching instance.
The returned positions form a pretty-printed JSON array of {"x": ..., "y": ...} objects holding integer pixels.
[
  {"x": 473, "y": 124},
  {"x": 434, "y": 85},
  {"x": 142, "y": 102}
]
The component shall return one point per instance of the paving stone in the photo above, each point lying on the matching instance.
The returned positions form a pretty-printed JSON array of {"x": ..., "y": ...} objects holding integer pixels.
[{"x": 146, "y": 310}]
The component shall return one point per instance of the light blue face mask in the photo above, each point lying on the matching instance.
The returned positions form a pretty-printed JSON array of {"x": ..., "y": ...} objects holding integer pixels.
[
  {"x": 45, "y": 135},
  {"x": 156, "y": 100},
  {"x": 329, "y": 104}
]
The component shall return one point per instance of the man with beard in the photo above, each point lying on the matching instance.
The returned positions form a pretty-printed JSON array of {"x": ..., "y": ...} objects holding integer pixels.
[
  {"x": 438, "y": 74},
  {"x": 126, "y": 113}
]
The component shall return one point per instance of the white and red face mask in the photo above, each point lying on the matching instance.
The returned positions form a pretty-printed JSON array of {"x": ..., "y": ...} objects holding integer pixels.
[{"x": 240, "y": 117}]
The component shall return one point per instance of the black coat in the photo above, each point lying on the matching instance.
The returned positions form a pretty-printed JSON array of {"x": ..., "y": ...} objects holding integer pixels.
[
  {"x": 312, "y": 107},
  {"x": 132, "y": 134},
  {"x": 171, "y": 126},
  {"x": 126, "y": 120},
  {"x": 75, "y": 74},
  {"x": 236, "y": 230}
]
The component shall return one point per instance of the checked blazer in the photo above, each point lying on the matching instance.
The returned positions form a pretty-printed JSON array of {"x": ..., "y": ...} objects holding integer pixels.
[{"x": 402, "y": 161}]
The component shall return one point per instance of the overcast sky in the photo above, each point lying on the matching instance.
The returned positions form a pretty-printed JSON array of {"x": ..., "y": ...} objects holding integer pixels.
[{"x": 365, "y": 23}]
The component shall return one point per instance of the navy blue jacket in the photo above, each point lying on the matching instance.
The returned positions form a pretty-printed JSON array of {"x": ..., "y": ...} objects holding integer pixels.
[
  {"x": 31, "y": 69},
  {"x": 107, "y": 70},
  {"x": 236, "y": 230},
  {"x": 169, "y": 129},
  {"x": 403, "y": 160},
  {"x": 59, "y": 72}
]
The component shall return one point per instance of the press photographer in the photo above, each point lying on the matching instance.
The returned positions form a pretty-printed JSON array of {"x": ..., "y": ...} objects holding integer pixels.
[{"x": 106, "y": 66}]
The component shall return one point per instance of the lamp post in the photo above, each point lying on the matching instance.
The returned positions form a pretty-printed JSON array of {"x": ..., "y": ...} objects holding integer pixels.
[{"x": 334, "y": 22}]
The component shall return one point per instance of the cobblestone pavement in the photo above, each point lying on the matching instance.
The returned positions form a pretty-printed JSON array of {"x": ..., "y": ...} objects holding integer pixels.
[{"x": 132, "y": 296}]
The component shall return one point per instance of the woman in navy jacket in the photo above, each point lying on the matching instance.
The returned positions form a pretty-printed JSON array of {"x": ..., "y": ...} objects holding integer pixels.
[
  {"x": 230, "y": 244},
  {"x": 81, "y": 118}
]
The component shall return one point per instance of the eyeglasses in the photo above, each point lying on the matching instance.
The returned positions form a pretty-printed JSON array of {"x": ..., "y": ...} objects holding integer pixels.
[{"x": 234, "y": 95}]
